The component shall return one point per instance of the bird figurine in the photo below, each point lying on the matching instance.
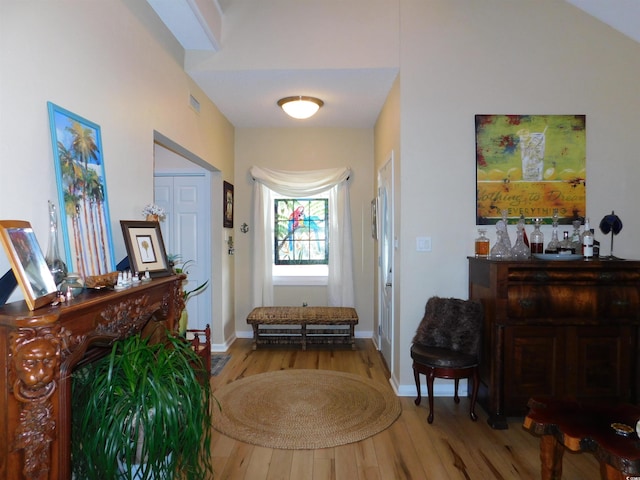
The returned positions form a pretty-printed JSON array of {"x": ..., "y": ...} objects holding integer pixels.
[{"x": 611, "y": 223}]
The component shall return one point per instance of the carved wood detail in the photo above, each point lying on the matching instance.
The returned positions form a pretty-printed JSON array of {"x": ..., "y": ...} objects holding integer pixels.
[
  {"x": 127, "y": 317},
  {"x": 41, "y": 348},
  {"x": 36, "y": 354}
]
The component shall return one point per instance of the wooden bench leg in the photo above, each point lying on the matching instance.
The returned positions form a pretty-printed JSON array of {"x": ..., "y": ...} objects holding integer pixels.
[
  {"x": 304, "y": 336},
  {"x": 255, "y": 336},
  {"x": 352, "y": 336}
]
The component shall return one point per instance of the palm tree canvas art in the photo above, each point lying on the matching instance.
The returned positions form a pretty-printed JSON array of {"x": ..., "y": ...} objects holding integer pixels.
[{"x": 82, "y": 192}]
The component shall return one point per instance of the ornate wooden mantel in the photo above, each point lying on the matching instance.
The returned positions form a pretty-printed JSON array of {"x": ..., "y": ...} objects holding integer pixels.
[{"x": 38, "y": 353}]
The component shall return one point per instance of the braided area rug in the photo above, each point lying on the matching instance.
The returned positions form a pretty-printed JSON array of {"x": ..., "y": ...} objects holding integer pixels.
[{"x": 304, "y": 409}]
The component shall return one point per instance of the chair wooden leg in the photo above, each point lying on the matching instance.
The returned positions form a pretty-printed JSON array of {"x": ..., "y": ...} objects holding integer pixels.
[
  {"x": 456, "y": 398},
  {"x": 430, "y": 377},
  {"x": 474, "y": 395},
  {"x": 416, "y": 376}
]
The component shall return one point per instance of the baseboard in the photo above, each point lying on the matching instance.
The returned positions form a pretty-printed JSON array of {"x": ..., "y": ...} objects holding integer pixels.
[
  {"x": 223, "y": 347},
  {"x": 441, "y": 388}
]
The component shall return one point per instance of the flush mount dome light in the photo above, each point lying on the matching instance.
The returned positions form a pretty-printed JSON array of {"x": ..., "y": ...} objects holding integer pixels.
[{"x": 299, "y": 106}]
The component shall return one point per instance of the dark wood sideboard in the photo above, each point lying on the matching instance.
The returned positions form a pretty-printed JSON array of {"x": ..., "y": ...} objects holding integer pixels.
[
  {"x": 562, "y": 329},
  {"x": 38, "y": 353}
]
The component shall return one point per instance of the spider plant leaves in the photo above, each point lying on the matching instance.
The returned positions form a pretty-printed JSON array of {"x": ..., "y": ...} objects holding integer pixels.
[{"x": 146, "y": 392}]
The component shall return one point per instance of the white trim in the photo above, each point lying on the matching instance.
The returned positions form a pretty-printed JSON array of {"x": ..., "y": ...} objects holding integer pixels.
[{"x": 300, "y": 280}]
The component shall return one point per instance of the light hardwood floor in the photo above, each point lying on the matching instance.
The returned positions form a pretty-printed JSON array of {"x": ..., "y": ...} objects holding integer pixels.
[{"x": 453, "y": 447}]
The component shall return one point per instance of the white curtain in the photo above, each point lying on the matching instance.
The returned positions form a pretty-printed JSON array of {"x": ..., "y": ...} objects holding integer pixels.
[{"x": 340, "y": 287}]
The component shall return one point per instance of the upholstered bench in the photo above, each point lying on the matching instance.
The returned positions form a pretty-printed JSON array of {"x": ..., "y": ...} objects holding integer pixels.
[{"x": 329, "y": 325}]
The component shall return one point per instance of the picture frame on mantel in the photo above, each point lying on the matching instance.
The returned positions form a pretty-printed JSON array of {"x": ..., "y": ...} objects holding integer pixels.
[
  {"x": 28, "y": 263},
  {"x": 145, "y": 248},
  {"x": 227, "y": 205},
  {"x": 82, "y": 192},
  {"x": 531, "y": 165}
]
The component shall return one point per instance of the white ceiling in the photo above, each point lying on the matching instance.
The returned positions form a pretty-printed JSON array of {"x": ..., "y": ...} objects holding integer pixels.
[{"x": 229, "y": 57}]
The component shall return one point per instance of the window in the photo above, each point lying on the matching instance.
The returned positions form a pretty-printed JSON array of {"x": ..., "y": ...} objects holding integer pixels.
[
  {"x": 300, "y": 231},
  {"x": 332, "y": 184}
]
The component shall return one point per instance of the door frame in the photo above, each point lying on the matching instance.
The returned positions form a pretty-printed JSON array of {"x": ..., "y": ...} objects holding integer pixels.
[
  {"x": 215, "y": 228},
  {"x": 382, "y": 275}
]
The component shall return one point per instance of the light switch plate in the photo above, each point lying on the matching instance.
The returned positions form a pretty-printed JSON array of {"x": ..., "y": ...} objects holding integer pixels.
[{"x": 423, "y": 244}]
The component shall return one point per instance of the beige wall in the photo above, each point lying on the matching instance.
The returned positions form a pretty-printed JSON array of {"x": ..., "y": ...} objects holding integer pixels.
[
  {"x": 306, "y": 149},
  {"x": 113, "y": 63},
  {"x": 466, "y": 57},
  {"x": 387, "y": 145}
]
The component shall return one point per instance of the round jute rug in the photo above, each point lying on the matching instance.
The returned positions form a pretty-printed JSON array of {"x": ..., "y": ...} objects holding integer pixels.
[{"x": 304, "y": 409}]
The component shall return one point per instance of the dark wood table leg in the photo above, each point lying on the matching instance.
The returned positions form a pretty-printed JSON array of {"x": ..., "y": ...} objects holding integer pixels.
[
  {"x": 607, "y": 472},
  {"x": 551, "y": 451}
]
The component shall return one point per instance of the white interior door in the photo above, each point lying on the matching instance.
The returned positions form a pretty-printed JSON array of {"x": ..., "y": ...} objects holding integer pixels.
[
  {"x": 385, "y": 261},
  {"x": 186, "y": 233}
]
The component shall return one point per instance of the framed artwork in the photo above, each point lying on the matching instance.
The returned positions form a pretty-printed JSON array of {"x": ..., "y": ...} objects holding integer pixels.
[
  {"x": 28, "y": 263},
  {"x": 82, "y": 193},
  {"x": 531, "y": 165},
  {"x": 301, "y": 231},
  {"x": 228, "y": 205},
  {"x": 145, "y": 247}
]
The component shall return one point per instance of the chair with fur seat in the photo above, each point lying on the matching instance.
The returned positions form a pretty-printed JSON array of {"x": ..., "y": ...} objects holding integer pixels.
[{"x": 447, "y": 345}]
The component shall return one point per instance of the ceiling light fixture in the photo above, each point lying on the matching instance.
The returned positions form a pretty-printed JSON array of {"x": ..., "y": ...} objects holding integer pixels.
[{"x": 300, "y": 107}]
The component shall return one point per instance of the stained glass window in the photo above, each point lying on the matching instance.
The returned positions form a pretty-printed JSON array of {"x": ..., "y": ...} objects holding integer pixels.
[{"x": 301, "y": 231}]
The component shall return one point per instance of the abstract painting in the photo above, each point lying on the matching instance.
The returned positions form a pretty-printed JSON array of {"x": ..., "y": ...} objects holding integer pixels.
[{"x": 530, "y": 165}]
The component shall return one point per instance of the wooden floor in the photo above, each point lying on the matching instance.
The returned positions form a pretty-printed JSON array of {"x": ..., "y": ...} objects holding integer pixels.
[{"x": 453, "y": 447}]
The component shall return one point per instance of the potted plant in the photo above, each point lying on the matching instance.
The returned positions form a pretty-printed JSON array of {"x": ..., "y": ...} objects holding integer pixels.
[
  {"x": 142, "y": 408},
  {"x": 182, "y": 267}
]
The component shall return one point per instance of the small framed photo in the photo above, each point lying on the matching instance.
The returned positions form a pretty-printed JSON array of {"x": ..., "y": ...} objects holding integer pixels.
[
  {"x": 145, "y": 247},
  {"x": 28, "y": 263},
  {"x": 228, "y": 205}
]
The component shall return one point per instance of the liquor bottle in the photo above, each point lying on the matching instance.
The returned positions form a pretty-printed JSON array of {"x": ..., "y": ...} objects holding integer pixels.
[
  {"x": 536, "y": 242},
  {"x": 587, "y": 241},
  {"x": 482, "y": 244}
]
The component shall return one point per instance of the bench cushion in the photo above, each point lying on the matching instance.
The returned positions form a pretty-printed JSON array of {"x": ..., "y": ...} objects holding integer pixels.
[{"x": 303, "y": 316}]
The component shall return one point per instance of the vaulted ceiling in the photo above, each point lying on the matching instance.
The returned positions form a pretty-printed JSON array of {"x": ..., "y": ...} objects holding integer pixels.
[{"x": 246, "y": 54}]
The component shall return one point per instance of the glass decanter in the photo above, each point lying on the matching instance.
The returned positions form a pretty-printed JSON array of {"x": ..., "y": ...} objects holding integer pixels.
[
  {"x": 537, "y": 237},
  {"x": 500, "y": 251},
  {"x": 482, "y": 244},
  {"x": 504, "y": 227},
  {"x": 554, "y": 243},
  {"x": 521, "y": 224},
  {"x": 56, "y": 266},
  {"x": 576, "y": 237},
  {"x": 520, "y": 251}
]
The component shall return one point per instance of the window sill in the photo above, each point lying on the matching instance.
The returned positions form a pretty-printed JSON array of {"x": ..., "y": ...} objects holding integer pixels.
[{"x": 299, "y": 280}]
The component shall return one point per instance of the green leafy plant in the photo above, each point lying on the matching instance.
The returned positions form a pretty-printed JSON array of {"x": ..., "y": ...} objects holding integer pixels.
[{"x": 144, "y": 407}]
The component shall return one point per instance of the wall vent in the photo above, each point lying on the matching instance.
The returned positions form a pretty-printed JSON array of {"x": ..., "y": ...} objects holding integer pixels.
[{"x": 195, "y": 104}]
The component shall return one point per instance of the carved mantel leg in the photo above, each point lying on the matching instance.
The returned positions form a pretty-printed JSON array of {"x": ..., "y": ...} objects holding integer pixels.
[{"x": 36, "y": 353}]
